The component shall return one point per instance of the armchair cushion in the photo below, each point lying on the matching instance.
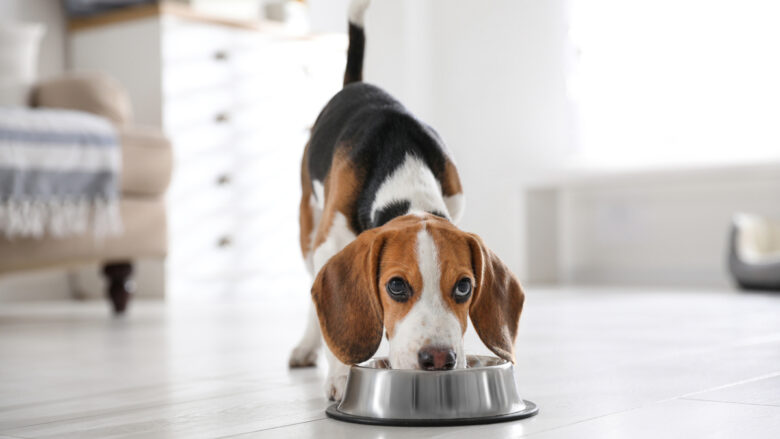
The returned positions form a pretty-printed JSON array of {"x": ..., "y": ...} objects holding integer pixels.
[
  {"x": 147, "y": 159},
  {"x": 94, "y": 93},
  {"x": 144, "y": 235}
]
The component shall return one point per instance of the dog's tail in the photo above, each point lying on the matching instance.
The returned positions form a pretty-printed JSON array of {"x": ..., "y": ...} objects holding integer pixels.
[{"x": 357, "y": 41}]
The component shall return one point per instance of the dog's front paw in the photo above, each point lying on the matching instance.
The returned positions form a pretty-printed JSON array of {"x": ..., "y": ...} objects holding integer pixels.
[
  {"x": 303, "y": 356},
  {"x": 334, "y": 387}
]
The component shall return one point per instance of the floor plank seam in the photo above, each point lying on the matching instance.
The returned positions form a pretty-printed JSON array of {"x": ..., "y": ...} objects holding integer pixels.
[
  {"x": 736, "y": 344},
  {"x": 596, "y": 417},
  {"x": 665, "y": 400},
  {"x": 643, "y": 406},
  {"x": 131, "y": 409},
  {"x": 732, "y": 402},
  {"x": 273, "y": 428},
  {"x": 726, "y": 386},
  {"x": 108, "y": 393}
]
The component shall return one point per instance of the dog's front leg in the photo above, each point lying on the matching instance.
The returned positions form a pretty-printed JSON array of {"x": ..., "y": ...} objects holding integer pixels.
[
  {"x": 305, "y": 353},
  {"x": 339, "y": 235},
  {"x": 337, "y": 377}
]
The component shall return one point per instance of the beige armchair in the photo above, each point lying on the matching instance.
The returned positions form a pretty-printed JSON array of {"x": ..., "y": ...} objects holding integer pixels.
[{"x": 146, "y": 171}]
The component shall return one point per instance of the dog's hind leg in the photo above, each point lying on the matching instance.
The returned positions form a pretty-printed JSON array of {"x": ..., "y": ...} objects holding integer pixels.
[{"x": 305, "y": 353}]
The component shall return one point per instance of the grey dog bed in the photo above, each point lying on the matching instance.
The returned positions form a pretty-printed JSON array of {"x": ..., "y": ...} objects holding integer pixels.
[{"x": 754, "y": 252}]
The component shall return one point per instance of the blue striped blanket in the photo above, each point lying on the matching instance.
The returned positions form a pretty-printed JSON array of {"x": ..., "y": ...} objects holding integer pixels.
[{"x": 59, "y": 173}]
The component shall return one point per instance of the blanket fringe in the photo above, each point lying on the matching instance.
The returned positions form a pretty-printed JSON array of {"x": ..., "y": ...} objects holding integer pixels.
[{"x": 59, "y": 218}]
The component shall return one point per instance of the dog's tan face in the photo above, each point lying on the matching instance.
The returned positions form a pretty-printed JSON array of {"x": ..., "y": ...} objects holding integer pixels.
[{"x": 419, "y": 278}]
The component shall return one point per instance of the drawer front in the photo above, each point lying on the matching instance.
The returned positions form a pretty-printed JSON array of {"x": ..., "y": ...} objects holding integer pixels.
[
  {"x": 184, "y": 40},
  {"x": 199, "y": 56},
  {"x": 238, "y": 143},
  {"x": 248, "y": 117},
  {"x": 243, "y": 256},
  {"x": 225, "y": 248},
  {"x": 197, "y": 208},
  {"x": 268, "y": 182},
  {"x": 195, "y": 75},
  {"x": 201, "y": 172},
  {"x": 275, "y": 65},
  {"x": 239, "y": 139},
  {"x": 252, "y": 285},
  {"x": 277, "y": 119},
  {"x": 230, "y": 69},
  {"x": 195, "y": 110},
  {"x": 201, "y": 247},
  {"x": 203, "y": 139}
]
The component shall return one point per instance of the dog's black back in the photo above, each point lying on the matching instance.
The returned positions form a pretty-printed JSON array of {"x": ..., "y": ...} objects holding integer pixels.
[{"x": 377, "y": 133}]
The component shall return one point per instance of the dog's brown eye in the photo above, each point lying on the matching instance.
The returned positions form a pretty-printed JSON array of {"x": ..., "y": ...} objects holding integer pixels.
[
  {"x": 398, "y": 289},
  {"x": 462, "y": 290}
]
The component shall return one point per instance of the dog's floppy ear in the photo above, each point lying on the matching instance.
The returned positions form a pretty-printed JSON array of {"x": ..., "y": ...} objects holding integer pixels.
[
  {"x": 497, "y": 303},
  {"x": 346, "y": 296}
]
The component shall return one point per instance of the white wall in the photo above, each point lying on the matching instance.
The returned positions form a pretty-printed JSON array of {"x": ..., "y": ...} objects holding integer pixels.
[
  {"x": 666, "y": 227},
  {"x": 50, "y": 13},
  {"x": 328, "y": 15},
  {"x": 490, "y": 77},
  {"x": 678, "y": 96}
]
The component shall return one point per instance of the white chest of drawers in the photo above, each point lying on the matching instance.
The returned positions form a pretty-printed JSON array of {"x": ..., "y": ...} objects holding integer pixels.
[{"x": 237, "y": 104}]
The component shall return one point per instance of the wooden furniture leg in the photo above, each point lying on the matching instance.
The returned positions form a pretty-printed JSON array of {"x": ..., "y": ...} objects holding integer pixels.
[{"x": 119, "y": 284}]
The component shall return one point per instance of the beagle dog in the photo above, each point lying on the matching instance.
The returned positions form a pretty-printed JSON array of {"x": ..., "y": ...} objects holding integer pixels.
[{"x": 381, "y": 196}]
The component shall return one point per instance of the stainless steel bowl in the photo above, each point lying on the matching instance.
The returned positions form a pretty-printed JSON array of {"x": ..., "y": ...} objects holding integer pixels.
[{"x": 484, "y": 392}]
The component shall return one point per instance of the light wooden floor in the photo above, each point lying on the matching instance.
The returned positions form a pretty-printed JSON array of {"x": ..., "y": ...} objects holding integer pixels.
[{"x": 599, "y": 362}]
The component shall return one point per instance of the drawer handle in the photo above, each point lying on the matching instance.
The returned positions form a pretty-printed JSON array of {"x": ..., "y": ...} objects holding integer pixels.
[
  {"x": 222, "y": 117},
  {"x": 223, "y": 180},
  {"x": 221, "y": 55},
  {"x": 224, "y": 242}
]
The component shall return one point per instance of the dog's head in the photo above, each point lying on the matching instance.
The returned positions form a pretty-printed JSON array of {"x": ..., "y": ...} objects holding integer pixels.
[{"x": 420, "y": 278}]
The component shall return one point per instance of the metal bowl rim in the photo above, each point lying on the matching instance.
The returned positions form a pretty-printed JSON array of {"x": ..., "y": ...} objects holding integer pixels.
[
  {"x": 501, "y": 365},
  {"x": 530, "y": 410}
]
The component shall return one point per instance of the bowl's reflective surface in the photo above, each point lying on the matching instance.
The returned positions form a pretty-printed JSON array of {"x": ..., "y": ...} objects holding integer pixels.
[{"x": 486, "y": 388}]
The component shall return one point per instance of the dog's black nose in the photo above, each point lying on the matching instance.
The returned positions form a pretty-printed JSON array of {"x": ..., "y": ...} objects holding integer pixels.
[{"x": 436, "y": 358}]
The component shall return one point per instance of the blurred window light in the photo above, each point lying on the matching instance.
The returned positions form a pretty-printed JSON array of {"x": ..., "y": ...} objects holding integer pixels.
[{"x": 676, "y": 81}]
